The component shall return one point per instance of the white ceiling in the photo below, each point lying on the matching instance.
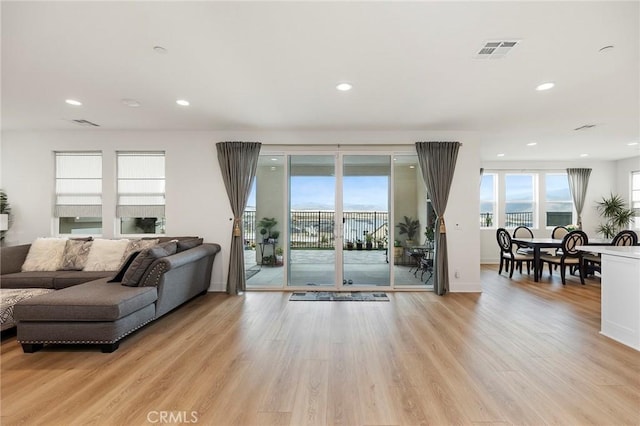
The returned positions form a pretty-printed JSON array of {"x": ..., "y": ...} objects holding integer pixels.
[{"x": 274, "y": 66}]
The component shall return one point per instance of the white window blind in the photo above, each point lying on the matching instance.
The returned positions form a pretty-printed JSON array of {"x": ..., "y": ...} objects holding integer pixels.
[
  {"x": 78, "y": 184},
  {"x": 141, "y": 183}
]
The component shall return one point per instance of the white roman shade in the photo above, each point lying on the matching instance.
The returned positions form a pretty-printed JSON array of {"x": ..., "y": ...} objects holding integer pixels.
[
  {"x": 141, "y": 182},
  {"x": 78, "y": 184}
]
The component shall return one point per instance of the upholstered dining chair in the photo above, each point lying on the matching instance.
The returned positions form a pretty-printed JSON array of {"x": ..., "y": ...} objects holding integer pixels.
[
  {"x": 509, "y": 258},
  {"x": 592, "y": 261},
  {"x": 558, "y": 233},
  {"x": 570, "y": 256},
  {"x": 523, "y": 232}
]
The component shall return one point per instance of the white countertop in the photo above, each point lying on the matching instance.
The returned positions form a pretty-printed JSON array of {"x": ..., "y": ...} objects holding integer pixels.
[{"x": 622, "y": 251}]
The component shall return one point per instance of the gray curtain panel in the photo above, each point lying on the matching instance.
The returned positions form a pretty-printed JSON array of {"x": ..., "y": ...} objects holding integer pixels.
[
  {"x": 238, "y": 164},
  {"x": 438, "y": 162},
  {"x": 578, "y": 182}
]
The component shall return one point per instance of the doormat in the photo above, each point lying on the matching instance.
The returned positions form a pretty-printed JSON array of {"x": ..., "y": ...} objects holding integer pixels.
[{"x": 338, "y": 296}]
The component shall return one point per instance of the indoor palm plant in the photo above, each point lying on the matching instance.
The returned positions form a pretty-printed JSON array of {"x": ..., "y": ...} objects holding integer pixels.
[
  {"x": 616, "y": 214},
  {"x": 409, "y": 227}
]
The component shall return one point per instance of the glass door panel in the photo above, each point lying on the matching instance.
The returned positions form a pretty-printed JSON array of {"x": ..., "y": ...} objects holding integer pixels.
[
  {"x": 365, "y": 205},
  {"x": 312, "y": 206},
  {"x": 264, "y": 223},
  {"x": 412, "y": 249}
]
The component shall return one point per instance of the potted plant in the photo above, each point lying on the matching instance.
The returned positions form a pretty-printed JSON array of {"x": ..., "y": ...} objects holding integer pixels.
[
  {"x": 409, "y": 227},
  {"x": 358, "y": 244},
  {"x": 616, "y": 214},
  {"x": 349, "y": 245},
  {"x": 368, "y": 237},
  {"x": 266, "y": 224},
  {"x": 279, "y": 253},
  {"x": 5, "y": 208},
  {"x": 274, "y": 236},
  {"x": 429, "y": 235}
]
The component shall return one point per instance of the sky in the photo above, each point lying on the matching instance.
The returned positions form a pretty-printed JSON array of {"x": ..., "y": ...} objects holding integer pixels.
[{"x": 360, "y": 193}]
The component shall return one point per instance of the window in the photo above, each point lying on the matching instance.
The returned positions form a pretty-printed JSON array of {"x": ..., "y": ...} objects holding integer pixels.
[
  {"x": 78, "y": 203},
  {"x": 488, "y": 186},
  {"x": 519, "y": 200},
  {"x": 635, "y": 197},
  {"x": 141, "y": 192},
  {"x": 558, "y": 200}
]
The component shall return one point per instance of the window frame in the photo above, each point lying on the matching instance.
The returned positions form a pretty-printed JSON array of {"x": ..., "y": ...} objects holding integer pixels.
[
  {"x": 547, "y": 202},
  {"x": 153, "y": 208},
  {"x": 535, "y": 193},
  {"x": 58, "y": 207}
]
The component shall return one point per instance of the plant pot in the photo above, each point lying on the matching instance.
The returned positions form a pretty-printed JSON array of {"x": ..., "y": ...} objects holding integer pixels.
[
  {"x": 369, "y": 246},
  {"x": 359, "y": 246},
  {"x": 349, "y": 246}
]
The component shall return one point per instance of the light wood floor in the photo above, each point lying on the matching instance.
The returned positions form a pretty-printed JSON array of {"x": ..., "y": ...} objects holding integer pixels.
[{"x": 519, "y": 353}]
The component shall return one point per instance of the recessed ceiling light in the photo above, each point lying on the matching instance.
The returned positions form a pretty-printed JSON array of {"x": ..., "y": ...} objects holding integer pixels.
[
  {"x": 131, "y": 103},
  {"x": 160, "y": 50},
  {"x": 632, "y": 143},
  {"x": 584, "y": 155},
  {"x": 274, "y": 159},
  {"x": 532, "y": 144},
  {"x": 500, "y": 155},
  {"x": 545, "y": 86},
  {"x": 412, "y": 167},
  {"x": 343, "y": 87},
  {"x": 273, "y": 167},
  {"x": 73, "y": 102},
  {"x": 182, "y": 102}
]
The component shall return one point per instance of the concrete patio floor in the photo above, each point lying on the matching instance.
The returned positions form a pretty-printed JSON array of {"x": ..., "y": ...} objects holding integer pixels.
[{"x": 317, "y": 268}]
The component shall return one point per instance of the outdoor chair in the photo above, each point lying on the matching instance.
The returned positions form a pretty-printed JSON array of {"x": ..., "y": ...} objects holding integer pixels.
[
  {"x": 509, "y": 258},
  {"x": 570, "y": 256}
]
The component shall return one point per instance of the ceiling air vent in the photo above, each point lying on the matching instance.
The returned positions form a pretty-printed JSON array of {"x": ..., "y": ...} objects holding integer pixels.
[
  {"x": 496, "y": 49},
  {"x": 85, "y": 123},
  {"x": 584, "y": 127}
]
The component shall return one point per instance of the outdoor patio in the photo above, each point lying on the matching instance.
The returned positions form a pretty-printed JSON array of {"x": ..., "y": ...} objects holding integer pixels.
[{"x": 316, "y": 268}]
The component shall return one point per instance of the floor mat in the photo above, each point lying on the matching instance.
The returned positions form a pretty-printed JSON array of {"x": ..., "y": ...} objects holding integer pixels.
[{"x": 338, "y": 296}]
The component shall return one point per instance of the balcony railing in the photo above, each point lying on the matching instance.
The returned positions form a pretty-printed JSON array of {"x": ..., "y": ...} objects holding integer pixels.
[
  {"x": 315, "y": 229},
  {"x": 511, "y": 220}
]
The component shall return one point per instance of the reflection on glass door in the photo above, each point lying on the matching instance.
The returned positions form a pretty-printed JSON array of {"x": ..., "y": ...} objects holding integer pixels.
[
  {"x": 365, "y": 212},
  {"x": 312, "y": 254}
]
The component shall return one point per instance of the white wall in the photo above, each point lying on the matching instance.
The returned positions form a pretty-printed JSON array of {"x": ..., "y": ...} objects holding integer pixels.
[
  {"x": 196, "y": 198},
  {"x": 601, "y": 182}
]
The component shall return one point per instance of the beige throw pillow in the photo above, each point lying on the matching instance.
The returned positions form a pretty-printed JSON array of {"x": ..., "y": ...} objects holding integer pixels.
[
  {"x": 106, "y": 255},
  {"x": 45, "y": 254},
  {"x": 76, "y": 253},
  {"x": 138, "y": 245}
]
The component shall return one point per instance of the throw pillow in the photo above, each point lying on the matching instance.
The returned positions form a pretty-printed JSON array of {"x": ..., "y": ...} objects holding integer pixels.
[
  {"x": 140, "y": 265},
  {"x": 75, "y": 255},
  {"x": 45, "y": 254},
  {"x": 123, "y": 269},
  {"x": 106, "y": 255},
  {"x": 171, "y": 247},
  {"x": 138, "y": 245},
  {"x": 189, "y": 244}
]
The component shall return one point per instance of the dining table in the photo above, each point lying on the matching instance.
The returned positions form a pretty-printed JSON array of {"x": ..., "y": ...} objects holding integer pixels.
[{"x": 553, "y": 243}]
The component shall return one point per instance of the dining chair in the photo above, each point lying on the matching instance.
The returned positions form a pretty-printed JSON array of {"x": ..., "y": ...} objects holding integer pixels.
[
  {"x": 558, "y": 233},
  {"x": 592, "y": 261},
  {"x": 509, "y": 259},
  {"x": 523, "y": 232},
  {"x": 570, "y": 256}
]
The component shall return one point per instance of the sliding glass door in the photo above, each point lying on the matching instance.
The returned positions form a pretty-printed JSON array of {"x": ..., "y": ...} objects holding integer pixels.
[{"x": 365, "y": 219}]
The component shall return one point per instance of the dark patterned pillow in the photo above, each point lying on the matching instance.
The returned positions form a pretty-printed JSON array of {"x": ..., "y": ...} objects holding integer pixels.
[
  {"x": 189, "y": 244},
  {"x": 75, "y": 255},
  {"x": 140, "y": 264},
  {"x": 123, "y": 269}
]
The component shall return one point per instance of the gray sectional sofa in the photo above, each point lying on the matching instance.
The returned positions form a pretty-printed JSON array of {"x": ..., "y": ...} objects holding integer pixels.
[{"x": 96, "y": 308}]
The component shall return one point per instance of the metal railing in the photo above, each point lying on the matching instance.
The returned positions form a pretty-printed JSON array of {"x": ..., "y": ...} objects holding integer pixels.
[
  {"x": 315, "y": 228},
  {"x": 511, "y": 220}
]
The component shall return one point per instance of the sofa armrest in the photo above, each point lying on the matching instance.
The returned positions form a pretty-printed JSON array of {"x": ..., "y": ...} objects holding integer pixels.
[
  {"x": 153, "y": 275},
  {"x": 12, "y": 258}
]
